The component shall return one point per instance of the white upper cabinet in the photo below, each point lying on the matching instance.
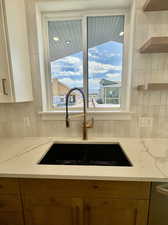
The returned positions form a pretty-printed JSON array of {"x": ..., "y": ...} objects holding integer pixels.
[
  {"x": 15, "y": 73},
  {"x": 5, "y": 84}
]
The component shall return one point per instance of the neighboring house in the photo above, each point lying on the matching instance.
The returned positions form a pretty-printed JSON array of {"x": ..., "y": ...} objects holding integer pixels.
[
  {"x": 109, "y": 92},
  {"x": 60, "y": 90}
]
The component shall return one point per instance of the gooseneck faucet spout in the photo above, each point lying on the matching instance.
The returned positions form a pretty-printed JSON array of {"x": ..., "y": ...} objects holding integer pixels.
[{"x": 85, "y": 125}]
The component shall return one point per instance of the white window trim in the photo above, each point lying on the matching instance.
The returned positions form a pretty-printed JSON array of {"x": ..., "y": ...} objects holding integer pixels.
[
  {"x": 97, "y": 115},
  {"x": 127, "y": 69}
]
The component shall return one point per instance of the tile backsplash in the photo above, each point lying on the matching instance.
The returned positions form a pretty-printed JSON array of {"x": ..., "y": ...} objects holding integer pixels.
[{"x": 22, "y": 119}]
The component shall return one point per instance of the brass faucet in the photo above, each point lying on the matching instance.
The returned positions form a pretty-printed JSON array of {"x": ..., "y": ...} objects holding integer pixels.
[{"x": 86, "y": 124}]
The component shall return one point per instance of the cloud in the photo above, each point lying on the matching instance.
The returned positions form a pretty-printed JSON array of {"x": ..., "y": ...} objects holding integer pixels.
[
  {"x": 93, "y": 56},
  {"x": 93, "y": 50},
  {"x": 71, "y": 83},
  {"x": 70, "y": 60},
  {"x": 67, "y": 66},
  {"x": 94, "y": 83},
  {"x": 66, "y": 74},
  {"x": 114, "y": 55},
  {"x": 113, "y": 76},
  {"x": 97, "y": 67}
]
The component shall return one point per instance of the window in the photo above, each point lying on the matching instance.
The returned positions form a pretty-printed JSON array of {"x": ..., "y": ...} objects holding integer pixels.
[
  {"x": 105, "y": 59},
  {"x": 66, "y": 60},
  {"x": 86, "y": 52}
]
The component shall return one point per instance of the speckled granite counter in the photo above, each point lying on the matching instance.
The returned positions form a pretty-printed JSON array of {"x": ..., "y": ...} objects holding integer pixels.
[{"x": 19, "y": 158}]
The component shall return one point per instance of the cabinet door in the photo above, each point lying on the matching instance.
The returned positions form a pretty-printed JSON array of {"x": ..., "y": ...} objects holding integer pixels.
[
  {"x": 11, "y": 218},
  {"x": 15, "y": 71},
  {"x": 53, "y": 211},
  {"x": 5, "y": 89},
  {"x": 115, "y": 212},
  {"x": 17, "y": 33},
  {"x": 10, "y": 209}
]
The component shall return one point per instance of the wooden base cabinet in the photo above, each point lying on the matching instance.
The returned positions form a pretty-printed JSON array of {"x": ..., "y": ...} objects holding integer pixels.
[
  {"x": 73, "y": 202},
  {"x": 11, "y": 212},
  {"x": 49, "y": 202}
]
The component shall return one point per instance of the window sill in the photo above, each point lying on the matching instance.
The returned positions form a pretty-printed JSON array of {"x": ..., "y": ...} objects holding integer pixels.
[{"x": 97, "y": 115}]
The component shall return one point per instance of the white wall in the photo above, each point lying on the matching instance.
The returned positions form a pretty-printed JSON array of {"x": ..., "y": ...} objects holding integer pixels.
[{"x": 149, "y": 67}]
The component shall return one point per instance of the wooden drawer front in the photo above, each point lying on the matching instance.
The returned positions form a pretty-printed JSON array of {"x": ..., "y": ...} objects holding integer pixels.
[
  {"x": 10, "y": 203},
  {"x": 130, "y": 190},
  {"x": 9, "y": 186},
  {"x": 45, "y": 200},
  {"x": 12, "y": 218}
]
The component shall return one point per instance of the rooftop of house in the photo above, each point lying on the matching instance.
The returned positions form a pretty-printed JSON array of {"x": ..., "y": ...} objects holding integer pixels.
[{"x": 105, "y": 82}]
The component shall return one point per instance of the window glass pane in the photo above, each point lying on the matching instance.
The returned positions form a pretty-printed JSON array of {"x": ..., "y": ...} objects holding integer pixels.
[
  {"x": 66, "y": 60},
  {"x": 105, "y": 60}
]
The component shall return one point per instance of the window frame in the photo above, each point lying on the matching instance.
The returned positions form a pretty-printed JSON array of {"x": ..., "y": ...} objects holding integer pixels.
[{"x": 83, "y": 15}]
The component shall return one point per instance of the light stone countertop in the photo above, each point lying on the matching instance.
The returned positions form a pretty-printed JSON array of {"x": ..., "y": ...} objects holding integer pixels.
[{"x": 19, "y": 157}]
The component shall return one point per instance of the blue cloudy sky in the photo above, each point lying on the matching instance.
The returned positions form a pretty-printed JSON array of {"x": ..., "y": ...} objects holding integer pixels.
[{"x": 105, "y": 61}]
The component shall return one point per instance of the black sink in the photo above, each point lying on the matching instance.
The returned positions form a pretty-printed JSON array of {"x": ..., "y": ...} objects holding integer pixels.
[{"x": 86, "y": 154}]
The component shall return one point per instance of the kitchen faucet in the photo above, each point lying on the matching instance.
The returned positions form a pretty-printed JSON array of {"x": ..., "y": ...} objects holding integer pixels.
[{"x": 86, "y": 124}]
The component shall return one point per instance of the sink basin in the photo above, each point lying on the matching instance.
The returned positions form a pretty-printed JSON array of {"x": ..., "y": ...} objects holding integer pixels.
[{"x": 86, "y": 154}]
